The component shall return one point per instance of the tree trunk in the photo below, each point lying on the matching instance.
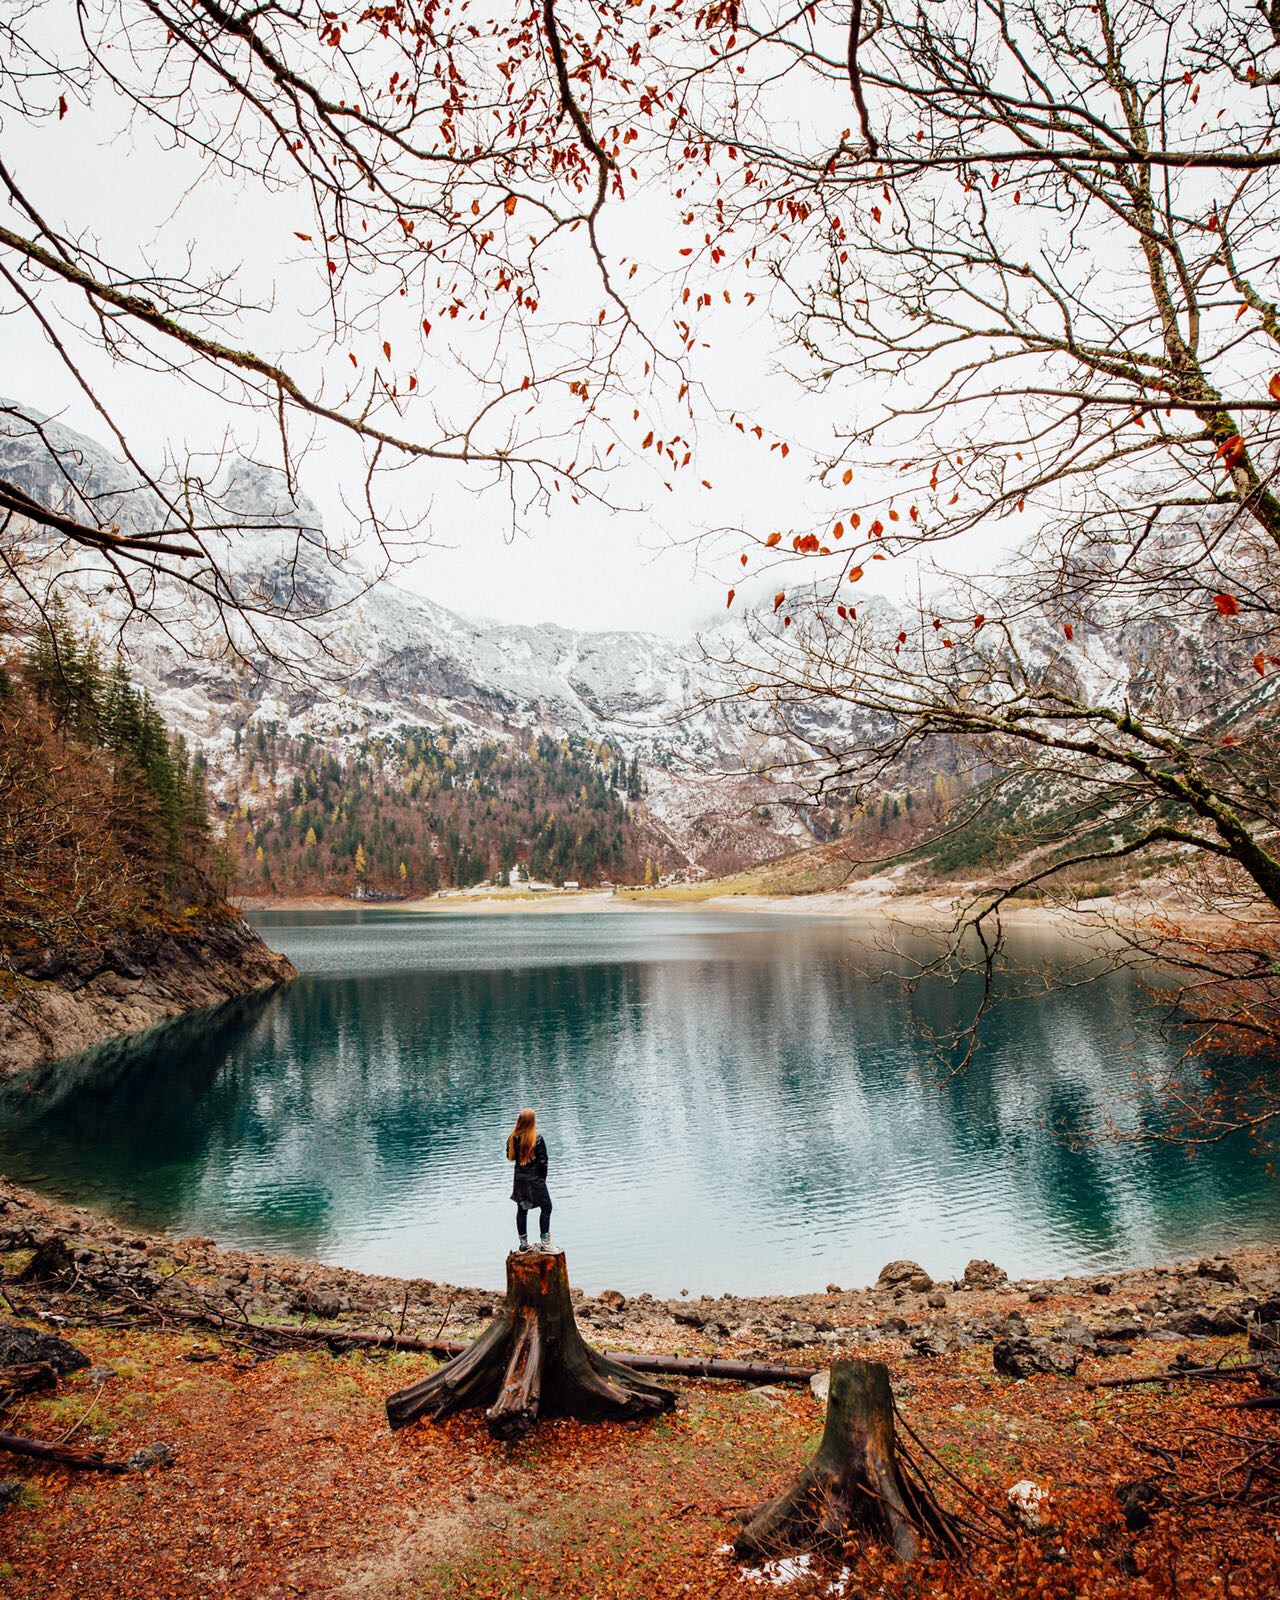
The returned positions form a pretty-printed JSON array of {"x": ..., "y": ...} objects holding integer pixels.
[
  {"x": 855, "y": 1483},
  {"x": 532, "y": 1361}
]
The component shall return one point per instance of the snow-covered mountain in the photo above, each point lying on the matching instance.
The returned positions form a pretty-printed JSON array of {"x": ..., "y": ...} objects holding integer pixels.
[{"x": 374, "y": 658}]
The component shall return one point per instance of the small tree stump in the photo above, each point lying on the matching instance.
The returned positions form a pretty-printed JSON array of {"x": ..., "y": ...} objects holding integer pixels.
[
  {"x": 532, "y": 1361},
  {"x": 855, "y": 1483}
]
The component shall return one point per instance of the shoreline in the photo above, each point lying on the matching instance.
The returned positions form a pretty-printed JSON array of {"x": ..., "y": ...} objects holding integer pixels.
[
  {"x": 924, "y": 912},
  {"x": 347, "y": 1291}
]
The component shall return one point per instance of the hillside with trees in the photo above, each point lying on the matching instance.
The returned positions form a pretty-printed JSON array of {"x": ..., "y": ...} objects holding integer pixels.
[
  {"x": 423, "y": 809},
  {"x": 113, "y": 907}
]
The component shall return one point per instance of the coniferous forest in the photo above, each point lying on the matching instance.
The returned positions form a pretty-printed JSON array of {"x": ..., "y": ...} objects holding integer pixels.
[
  {"x": 106, "y": 814},
  {"x": 422, "y": 810}
]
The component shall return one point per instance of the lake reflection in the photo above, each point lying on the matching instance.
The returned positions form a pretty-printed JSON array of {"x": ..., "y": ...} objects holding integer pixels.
[{"x": 730, "y": 1104}]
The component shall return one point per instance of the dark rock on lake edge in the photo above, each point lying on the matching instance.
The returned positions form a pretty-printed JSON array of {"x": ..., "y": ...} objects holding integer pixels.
[
  {"x": 1036, "y": 1325},
  {"x": 58, "y": 1006}
]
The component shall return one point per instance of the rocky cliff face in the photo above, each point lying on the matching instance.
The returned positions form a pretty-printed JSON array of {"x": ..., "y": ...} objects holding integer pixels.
[{"x": 58, "y": 1007}]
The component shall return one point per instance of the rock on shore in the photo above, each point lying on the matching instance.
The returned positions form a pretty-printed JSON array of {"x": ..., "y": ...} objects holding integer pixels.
[{"x": 59, "y": 1005}]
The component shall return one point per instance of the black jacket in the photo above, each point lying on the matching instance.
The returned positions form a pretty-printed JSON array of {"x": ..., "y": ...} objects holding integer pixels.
[{"x": 530, "y": 1186}]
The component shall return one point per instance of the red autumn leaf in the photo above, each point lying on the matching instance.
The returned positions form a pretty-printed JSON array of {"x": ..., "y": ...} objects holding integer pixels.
[
  {"x": 413, "y": 382},
  {"x": 729, "y": 601},
  {"x": 352, "y": 359},
  {"x": 936, "y": 623},
  {"x": 841, "y": 613},
  {"x": 1227, "y": 604},
  {"x": 648, "y": 440},
  {"x": 305, "y": 237},
  {"x": 902, "y": 638},
  {"x": 509, "y": 204},
  {"x": 774, "y": 538},
  {"x": 877, "y": 528},
  {"x": 777, "y": 600},
  {"x": 62, "y": 106},
  {"x": 386, "y": 348},
  {"x": 1231, "y": 451},
  {"x": 1069, "y": 631},
  {"x": 855, "y": 521},
  {"x": 1260, "y": 664},
  {"x": 426, "y": 329},
  {"x": 743, "y": 559},
  {"x": 854, "y": 574},
  {"x": 1273, "y": 388},
  {"x": 838, "y": 530},
  {"x": 1231, "y": 739},
  {"x": 978, "y": 621},
  {"x": 848, "y": 476},
  {"x": 786, "y": 622}
]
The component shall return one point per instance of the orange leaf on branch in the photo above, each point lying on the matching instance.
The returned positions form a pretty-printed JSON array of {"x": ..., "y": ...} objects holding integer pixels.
[
  {"x": 1273, "y": 388},
  {"x": 1227, "y": 604},
  {"x": 774, "y": 538},
  {"x": 1231, "y": 451}
]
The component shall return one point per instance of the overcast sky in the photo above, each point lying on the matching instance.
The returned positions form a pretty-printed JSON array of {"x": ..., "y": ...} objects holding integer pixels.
[{"x": 652, "y": 565}]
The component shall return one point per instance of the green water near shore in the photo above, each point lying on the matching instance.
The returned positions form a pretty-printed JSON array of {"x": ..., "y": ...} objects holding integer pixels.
[{"x": 732, "y": 1103}]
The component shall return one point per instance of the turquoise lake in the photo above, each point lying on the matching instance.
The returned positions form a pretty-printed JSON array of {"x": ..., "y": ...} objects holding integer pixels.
[{"x": 732, "y": 1102}]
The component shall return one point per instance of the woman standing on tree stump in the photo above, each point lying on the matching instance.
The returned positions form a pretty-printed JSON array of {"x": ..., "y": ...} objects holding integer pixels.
[{"x": 527, "y": 1148}]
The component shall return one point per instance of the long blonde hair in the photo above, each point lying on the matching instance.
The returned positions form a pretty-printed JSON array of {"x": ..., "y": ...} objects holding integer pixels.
[{"x": 522, "y": 1138}]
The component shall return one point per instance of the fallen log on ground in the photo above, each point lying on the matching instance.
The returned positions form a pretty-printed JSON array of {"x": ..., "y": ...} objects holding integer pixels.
[
  {"x": 338, "y": 1339},
  {"x": 858, "y": 1482},
  {"x": 25, "y": 1377},
  {"x": 531, "y": 1361},
  {"x": 1242, "y": 1369},
  {"x": 61, "y": 1455}
]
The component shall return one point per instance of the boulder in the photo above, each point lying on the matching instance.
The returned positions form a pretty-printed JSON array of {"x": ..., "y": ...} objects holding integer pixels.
[
  {"x": 613, "y": 1298},
  {"x": 984, "y": 1275},
  {"x": 150, "y": 1455},
  {"x": 1202, "y": 1322},
  {"x": 904, "y": 1275},
  {"x": 321, "y": 1303},
  {"x": 689, "y": 1316},
  {"x": 1029, "y": 1503},
  {"x": 1121, "y": 1328},
  {"x": 1220, "y": 1270},
  {"x": 1022, "y": 1358},
  {"x": 1138, "y": 1499},
  {"x": 942, "y": 1338},
  {"x": 19, "y": 1344}
]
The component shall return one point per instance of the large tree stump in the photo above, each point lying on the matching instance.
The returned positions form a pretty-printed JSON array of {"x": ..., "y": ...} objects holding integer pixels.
[
  {"x": 857, "y": 1481},
  {"x": 532, "y": 1361}
]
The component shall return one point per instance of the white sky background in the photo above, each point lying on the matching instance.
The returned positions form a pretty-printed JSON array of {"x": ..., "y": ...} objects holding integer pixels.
[{"x": 582, "y": 566}]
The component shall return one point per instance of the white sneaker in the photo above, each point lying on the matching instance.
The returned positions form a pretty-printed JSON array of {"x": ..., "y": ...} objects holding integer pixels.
[{"x": 546, "y": 1246}]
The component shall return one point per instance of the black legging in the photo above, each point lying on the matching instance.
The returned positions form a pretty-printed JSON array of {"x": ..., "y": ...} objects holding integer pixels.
[{"x": 544, "y": 1218}]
